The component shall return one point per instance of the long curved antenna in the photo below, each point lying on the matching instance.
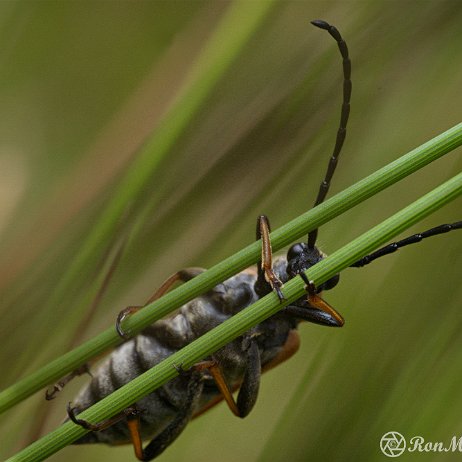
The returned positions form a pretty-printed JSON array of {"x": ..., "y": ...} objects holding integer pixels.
[
  {"x": 341, "y": 133},
  {"x": 394, "y": 246}
]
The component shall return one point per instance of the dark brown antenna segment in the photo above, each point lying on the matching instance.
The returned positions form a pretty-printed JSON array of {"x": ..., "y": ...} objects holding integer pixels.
[
  {"x": 341, "y": 133},
  {"x": 394, "y": 246}
]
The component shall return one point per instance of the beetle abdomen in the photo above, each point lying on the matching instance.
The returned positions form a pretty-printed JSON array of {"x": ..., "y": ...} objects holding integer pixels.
[{"x": 164, "y": 338}]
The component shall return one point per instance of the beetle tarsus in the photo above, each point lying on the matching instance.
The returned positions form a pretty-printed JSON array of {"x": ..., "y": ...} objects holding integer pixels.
[
  {"x": 133, "y": 411},
  {"x": 124, "y": 314},
  {"x": 58, "y": 387}
]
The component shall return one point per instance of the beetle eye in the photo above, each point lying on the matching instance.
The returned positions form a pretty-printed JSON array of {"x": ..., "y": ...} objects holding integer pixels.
[{"x": 295, "y": 250}]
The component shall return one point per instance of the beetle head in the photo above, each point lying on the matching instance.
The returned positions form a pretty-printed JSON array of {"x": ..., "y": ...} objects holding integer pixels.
[{"x": 301, "y": 257}]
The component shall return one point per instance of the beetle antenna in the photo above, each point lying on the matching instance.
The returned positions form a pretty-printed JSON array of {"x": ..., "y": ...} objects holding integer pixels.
[
  {"x": 394, "y": 246},
  {"x": 341, "y": 133}
]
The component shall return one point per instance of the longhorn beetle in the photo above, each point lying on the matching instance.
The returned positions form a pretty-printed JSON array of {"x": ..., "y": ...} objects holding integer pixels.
[{"x": 162, "y": 415}]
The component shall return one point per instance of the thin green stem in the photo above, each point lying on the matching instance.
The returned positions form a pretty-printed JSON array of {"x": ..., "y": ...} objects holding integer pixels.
[
  {"x": 293, "y": 230},
  {"x": 243, "y": 321}
]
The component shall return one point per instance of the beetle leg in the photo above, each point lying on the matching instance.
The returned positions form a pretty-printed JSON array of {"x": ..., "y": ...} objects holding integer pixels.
[
  {"x": 318, "y": 311},
  {"x": 249, "y": 387},
  {"x": 58, "y": 386},
  {"x": 183, "y": 275},
  {"x": 267, "y": 279},
  {"x": 248, "y": 392},
  {"x": 290, "y": 348},
  {"x": 173, "y": 430},
  {"x": 214, "y": 368},
  {"x": 125, "y": 313},
  {"x": 105, "y": 423}
]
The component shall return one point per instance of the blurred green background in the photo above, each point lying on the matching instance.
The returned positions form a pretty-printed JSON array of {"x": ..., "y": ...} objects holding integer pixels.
[{"x": 82, "y": 86}]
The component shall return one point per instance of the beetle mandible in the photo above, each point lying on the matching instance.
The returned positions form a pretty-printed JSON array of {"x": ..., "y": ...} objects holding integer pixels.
[{"x": 162, "y": 415}]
